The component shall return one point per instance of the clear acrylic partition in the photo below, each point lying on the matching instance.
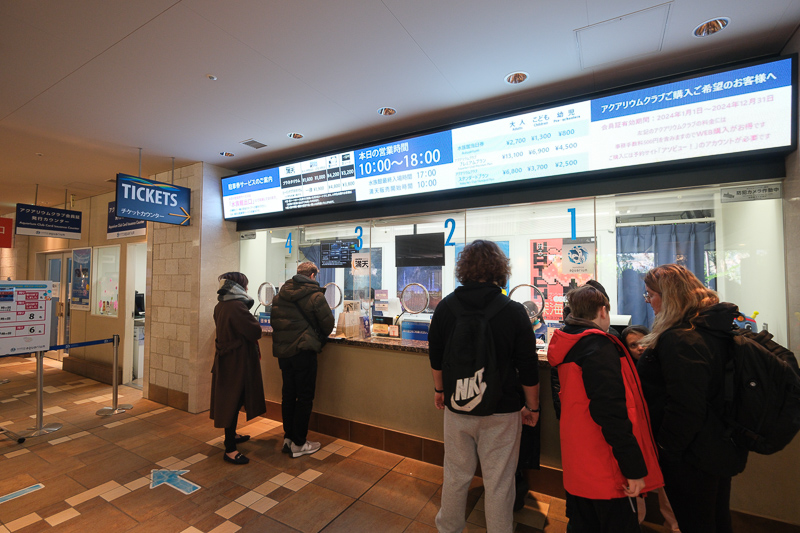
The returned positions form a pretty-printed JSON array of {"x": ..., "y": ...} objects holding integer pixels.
[
  {"x": 393, "y": 241},
  {"x": 732, "y": 242},
  {"x": 332, "y": 248},
  {"x": 551, "y": 247},
  {"x": 105, "y": 292},
  {"x": 269, "y": 259}
]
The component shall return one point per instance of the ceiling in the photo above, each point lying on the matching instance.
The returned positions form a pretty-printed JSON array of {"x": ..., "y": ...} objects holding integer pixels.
[{"x": 85, "y": 85}]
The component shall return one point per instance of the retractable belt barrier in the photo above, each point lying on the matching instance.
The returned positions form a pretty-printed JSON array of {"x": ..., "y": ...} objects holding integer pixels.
[{"x": 41, "y": 429}]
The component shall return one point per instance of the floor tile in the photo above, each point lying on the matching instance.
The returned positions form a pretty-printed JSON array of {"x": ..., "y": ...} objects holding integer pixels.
[
  {"x": 350, "y": 477},
  {"x": 377, "y": 457},
  {"x": 418, "y": 469},
  {"x": 400, "y": 494},
  {"x": 365, "y": 517},
  {"x": 310, "y": 509},
  {"x": 61, "y": 517}
]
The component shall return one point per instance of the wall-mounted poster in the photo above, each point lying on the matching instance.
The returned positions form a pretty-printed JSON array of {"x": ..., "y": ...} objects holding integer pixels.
[
  {"x": 81, "y": 279},
  {"x": 552, "y": 276}
]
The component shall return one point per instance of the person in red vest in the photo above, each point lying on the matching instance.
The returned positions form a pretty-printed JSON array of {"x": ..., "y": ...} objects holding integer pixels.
[{"x": 608, "y": 453}]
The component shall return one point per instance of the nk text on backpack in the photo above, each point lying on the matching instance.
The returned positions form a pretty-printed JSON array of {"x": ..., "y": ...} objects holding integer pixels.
[
  {"x": 762, "y": 393},
  {"x": 469, "y": 366}
]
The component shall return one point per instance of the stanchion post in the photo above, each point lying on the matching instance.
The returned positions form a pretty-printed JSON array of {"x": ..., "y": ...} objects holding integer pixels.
[
  {"x": 115, "y": 409},
  {"x": 40, "y": 429}
]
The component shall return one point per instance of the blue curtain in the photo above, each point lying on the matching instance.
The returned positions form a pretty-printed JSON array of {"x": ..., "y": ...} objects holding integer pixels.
[
  {"x": 312, "y": 253},
  {"x": 640, "y": 248}
]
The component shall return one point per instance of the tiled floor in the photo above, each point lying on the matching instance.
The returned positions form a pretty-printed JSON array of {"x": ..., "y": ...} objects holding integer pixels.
[
  {"x": 97, "y": 473},
  {"x": 157, "y": 469}
]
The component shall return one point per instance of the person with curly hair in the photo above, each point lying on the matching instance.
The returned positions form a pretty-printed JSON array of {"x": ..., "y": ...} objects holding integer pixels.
[{"x": 483, "y": 269}]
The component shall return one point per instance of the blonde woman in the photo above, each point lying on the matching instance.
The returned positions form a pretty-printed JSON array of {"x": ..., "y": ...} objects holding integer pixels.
[{"x": 682, "y": 374}]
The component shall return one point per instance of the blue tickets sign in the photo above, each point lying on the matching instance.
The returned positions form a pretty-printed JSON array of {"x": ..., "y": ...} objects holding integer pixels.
[
  {"x": 145, "y": 199},
  {"x": 41, "y": 221},
  {"x": 119, "y": 227}
]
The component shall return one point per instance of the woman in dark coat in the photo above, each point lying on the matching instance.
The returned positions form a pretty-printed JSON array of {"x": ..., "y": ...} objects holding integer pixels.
[
  {"x": 236, "y": 375},
  {"x": 683, "y": 373}
]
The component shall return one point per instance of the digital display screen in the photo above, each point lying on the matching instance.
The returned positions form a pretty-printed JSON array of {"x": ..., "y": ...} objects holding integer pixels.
[
  {"x": 419, "y": 250},
  {"x": 335, "y": 253},
  {"x": 733, "y": 111}
]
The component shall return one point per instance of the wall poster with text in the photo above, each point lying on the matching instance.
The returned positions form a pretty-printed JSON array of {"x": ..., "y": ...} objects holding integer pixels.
[
  {"x": 81, "y": 279},
  {"x": 555, "y": 278}
]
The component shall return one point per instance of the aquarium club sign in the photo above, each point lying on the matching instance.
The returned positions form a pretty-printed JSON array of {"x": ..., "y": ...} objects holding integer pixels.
[{"x": 155, "y": 201}]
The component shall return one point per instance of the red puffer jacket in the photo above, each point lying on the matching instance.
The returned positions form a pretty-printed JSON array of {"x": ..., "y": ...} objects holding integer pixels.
[{"x": 598, "y": 450}]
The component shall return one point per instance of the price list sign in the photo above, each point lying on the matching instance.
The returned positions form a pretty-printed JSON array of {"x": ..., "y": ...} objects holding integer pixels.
[
  {"x": 25, "y": 308},
  {"x": 726, "y": 112}
]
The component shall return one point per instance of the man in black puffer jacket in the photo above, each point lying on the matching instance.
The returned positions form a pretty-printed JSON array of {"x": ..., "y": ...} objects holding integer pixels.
[{"x": 301, "y": 320}]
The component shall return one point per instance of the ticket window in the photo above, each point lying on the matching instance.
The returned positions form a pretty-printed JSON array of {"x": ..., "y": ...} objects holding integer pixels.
[
  {"x": 342, "y": 253},
  {"x": 418, "y": 256},
  {"x": 105, "y": 281},
  {"x": 552, "y": 250},
  {"x": 268, "y": 258}
]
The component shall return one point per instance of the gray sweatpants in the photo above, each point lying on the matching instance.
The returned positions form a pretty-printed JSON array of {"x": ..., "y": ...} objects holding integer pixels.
[{"x": 495, "y": 439}]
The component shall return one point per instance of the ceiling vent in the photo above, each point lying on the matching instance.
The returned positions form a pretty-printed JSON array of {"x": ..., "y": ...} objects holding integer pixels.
[{"x": 252, "y": 143}]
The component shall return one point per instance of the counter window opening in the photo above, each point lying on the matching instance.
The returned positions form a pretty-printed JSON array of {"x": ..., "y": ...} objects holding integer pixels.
[
  {"x": 734, "y": 246},
  {"x": 105, "y": 281}
]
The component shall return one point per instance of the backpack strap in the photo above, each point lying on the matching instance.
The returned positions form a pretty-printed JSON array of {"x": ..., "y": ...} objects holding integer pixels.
[{"x": 495, "y": 306}]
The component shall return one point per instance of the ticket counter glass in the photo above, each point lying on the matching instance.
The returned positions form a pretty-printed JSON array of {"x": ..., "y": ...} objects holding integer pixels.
[{"x": 731, "y": 237}]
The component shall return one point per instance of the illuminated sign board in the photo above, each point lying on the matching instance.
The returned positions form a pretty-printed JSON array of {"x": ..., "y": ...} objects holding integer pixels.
[
  {"x": 729, "y": 112},
  {"x": 144, "y": 199}
]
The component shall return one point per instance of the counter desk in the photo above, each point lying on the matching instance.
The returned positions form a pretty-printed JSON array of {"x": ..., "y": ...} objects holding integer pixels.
[{"x": 379, "y": 392}]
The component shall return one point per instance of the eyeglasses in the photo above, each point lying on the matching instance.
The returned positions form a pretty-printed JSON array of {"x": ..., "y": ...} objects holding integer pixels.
[{"x": 646, "y": 297}]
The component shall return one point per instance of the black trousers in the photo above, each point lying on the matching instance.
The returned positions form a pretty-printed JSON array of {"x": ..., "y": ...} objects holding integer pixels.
[
  {"x": 617, "y": 515},
  {"x": 230, "y": 432},
  {"x": 701, "y": 501},
  {"x": 297, "y": 396}
]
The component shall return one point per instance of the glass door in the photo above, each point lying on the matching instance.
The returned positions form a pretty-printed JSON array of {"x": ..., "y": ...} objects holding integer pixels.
[{"x": 57, "y": 269}]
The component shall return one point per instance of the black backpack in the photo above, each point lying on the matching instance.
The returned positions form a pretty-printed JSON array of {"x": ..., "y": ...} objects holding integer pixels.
[
  {"x": 472, "y": 384},
  {"x": 762, "y": 393}
]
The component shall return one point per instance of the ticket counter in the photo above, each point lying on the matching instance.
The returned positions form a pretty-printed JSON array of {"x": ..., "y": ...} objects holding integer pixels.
[{"x": 379, "y": 392}]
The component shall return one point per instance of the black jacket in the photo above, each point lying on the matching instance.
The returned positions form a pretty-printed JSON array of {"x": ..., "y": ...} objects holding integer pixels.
[
  {"x": 601, "y": 363},
  {"x": 291, "y": 333},
  {"x": 683, "y": 382},
  {"x": 515, "y": 344}
]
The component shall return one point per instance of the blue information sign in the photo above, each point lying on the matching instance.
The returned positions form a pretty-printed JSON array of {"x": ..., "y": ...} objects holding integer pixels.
[
  {"x": 120, "y": 227},
  {"x": 145, "y": 199},
  {"x": 41, "y": 221}
]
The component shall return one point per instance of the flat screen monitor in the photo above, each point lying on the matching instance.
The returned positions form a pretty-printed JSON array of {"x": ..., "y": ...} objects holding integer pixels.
[
  {"x": 335, "y": 253},
  {"x": 425, "y": 249},
  {"x": 139, "y": 303}
]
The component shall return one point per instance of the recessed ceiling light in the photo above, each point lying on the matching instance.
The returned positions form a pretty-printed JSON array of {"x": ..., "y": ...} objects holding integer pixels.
[
  {"x": 295, "y": 135},
  {"x": 211, "y": 77},
  {"x": 516, "y": 78},
  {"x": 226, "y": 154},
  {"x": 710, "y": 27},
  {"x": 387, "y": 111}
]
